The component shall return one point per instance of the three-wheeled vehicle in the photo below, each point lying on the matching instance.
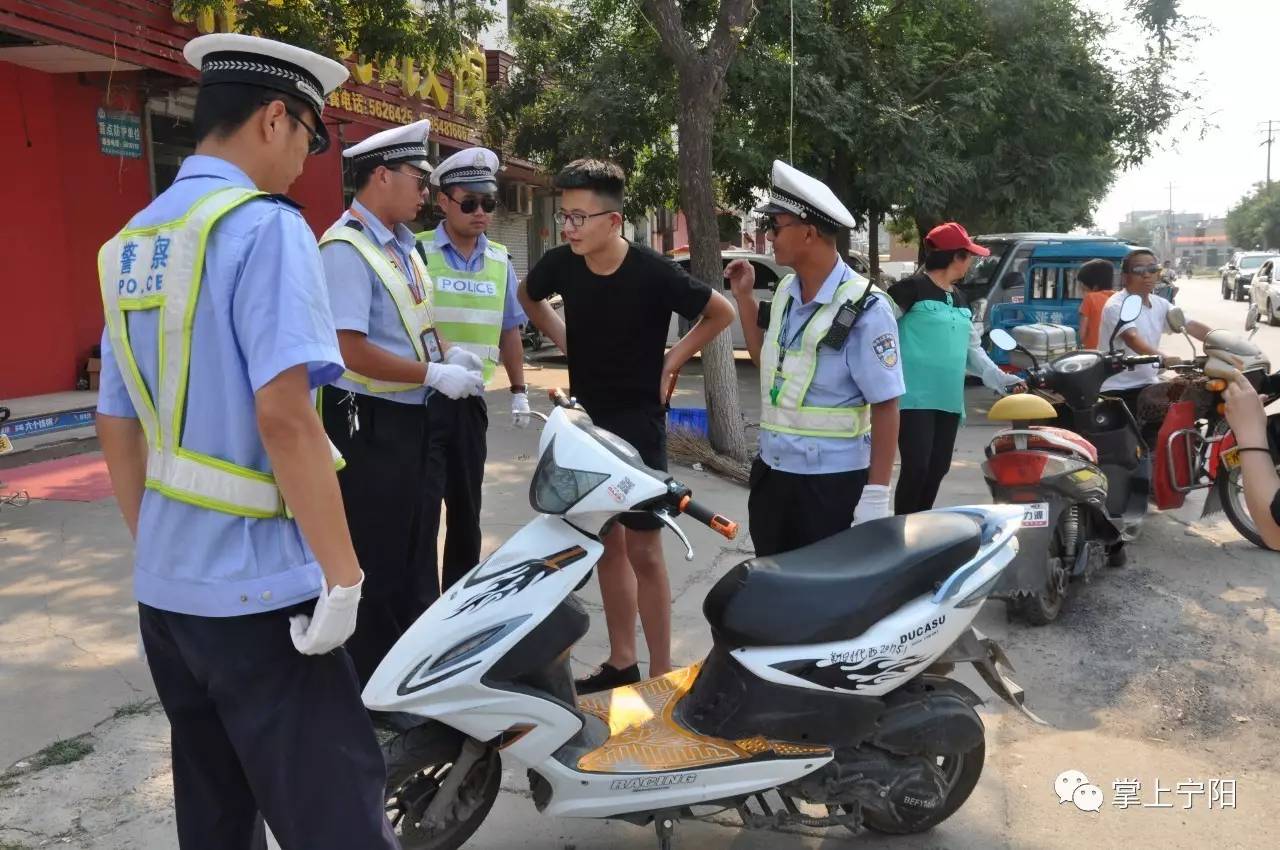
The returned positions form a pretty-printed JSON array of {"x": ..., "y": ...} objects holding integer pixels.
[{"x": 1047, "y": 319}]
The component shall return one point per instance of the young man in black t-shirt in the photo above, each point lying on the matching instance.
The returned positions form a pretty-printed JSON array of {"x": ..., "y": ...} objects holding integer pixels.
[{"x": 618, "y": 300}]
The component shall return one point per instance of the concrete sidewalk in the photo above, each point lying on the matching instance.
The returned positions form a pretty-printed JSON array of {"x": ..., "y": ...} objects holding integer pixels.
[{"x": 1145, "y": 676}]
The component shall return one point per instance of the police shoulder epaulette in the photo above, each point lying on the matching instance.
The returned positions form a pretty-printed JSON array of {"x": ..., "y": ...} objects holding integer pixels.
[
  {"x": 287, "y": 201},
  {"x": 354, "y": 225}
]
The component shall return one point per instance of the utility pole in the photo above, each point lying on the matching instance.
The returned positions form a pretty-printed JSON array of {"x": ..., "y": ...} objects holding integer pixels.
[
  {"x": 1168, "y": 227},
  {"x": 1272, "y": 125}
]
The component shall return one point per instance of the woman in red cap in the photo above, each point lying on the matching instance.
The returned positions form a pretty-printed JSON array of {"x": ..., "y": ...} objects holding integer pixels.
[{"x": 940, "y": 346}]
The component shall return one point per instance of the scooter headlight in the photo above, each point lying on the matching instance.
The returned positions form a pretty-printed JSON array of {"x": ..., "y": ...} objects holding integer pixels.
[{"x": 556, "y": 489}]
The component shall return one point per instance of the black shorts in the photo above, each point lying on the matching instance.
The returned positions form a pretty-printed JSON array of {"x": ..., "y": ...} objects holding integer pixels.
[{"x": 646, "y": 430}]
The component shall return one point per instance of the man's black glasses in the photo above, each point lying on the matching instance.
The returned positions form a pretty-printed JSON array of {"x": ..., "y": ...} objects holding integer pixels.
[
  {"x": 423, "y": 179},
  {"x": 488, "y": 203},
  {"x": 316, "y": 143}
]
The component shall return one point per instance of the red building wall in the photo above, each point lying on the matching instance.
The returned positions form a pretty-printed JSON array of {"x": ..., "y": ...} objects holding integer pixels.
[{"x": 70, "y": 198}]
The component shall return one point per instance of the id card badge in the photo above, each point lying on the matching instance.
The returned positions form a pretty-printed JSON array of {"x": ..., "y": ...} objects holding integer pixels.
[{"x": 431, "y": 346}]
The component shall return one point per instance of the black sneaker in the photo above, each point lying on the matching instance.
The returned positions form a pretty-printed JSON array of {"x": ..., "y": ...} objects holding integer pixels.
[{"x": 607, "y": 678}]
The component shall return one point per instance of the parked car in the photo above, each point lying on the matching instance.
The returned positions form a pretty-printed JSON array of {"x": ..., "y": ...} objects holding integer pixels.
[
  {"x": 1239, "y": 275},
  {"x": 1264, "y": 290},
  {"x": 768, "y": 273}
]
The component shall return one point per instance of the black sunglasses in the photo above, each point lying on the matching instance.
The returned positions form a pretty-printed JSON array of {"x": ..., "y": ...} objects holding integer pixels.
[
  {"x": 488, "y": 203},
  {"x": 423, "y": 179},
  {"x": 316, "y": 142}
]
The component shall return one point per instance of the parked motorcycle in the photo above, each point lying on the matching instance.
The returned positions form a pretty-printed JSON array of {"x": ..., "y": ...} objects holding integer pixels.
[
  {"x": 1196, "y": 441},
  {"x": 827, "y": 685},
  {"x": 1082, "y": 480}
]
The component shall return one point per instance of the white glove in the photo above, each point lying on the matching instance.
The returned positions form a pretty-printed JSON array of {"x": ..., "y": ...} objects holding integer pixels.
[
  {"x": 453, "y": 380},
  {"x": 331, "y": 623},
  {"x": 874, "y": 504},
  {"x": 459, "y": 356},
  {"x": 520, "y": 410}
]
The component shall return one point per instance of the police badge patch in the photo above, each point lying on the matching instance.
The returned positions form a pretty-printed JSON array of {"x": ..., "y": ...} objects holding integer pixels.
[{"x": 886, "y": 348}]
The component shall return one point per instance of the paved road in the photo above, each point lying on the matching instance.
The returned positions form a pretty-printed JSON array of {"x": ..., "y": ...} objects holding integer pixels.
[{"x": 1161, "y": 673}]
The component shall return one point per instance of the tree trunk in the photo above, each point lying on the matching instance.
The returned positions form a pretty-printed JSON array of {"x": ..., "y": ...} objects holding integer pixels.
[
  {"x": 697, "y": 198},
  {"x": 873, "y": 242}
]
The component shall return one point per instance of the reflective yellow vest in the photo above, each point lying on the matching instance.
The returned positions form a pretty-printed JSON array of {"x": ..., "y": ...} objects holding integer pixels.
[
  {"x": 469, "y": 305},
  {"x": 783, "y": 387},
  {"x": 169, "y": 259},
  {"x": 416, "y": 316}
]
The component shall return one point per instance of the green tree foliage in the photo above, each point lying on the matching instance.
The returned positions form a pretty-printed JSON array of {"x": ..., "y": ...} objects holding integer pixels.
[
  {"x": 378, "y": 30},
  {"x": 1000, "y": 113},
  {"x": 1254, "y": 222}
]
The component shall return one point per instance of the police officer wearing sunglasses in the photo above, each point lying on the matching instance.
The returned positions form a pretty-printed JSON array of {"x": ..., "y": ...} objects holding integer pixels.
[
  {"x": 476, "y": 309},
  {"x": 397, "y": 360}
]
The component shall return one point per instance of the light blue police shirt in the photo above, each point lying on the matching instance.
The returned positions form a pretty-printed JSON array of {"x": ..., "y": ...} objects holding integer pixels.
[
  {"x": 261, "y": 310},
  {"x": 512, "y": 314},
  {"x": 866, "y": 370},
  {"x": 361, "y": 303}
]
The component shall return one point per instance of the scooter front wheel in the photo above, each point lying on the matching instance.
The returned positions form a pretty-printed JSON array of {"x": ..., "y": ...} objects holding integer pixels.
[{"x": 419, "y": 764}]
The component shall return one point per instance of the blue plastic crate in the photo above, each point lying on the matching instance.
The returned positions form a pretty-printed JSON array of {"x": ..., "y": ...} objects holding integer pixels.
[{"x": 689, "y": 419}]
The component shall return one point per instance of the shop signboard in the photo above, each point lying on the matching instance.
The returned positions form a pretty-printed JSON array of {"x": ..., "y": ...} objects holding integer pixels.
[{"x": 119, "y": 133}]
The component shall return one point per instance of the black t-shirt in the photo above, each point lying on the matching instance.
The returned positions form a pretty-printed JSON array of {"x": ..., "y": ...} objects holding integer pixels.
[
  {"x": 920, "y": 287},
  {"x": 617, "y": 324}
]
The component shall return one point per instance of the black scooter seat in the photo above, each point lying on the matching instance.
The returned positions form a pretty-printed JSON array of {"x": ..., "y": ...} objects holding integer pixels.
[{"x": 837, "y": 588}]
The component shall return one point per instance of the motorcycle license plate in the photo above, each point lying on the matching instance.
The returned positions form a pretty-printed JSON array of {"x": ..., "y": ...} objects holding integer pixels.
[
  {"x": 1035, "y": 515},
  {"x": 1231, "y": 458}
]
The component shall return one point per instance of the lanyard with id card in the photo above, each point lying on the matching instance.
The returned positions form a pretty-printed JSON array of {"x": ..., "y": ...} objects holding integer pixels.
[
  {"x": 431, "y": 346},
  {"x": 778, "y": 378}
]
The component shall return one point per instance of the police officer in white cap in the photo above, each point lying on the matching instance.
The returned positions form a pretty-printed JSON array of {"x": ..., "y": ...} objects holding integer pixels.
[
  {"x": 398, "y": 365},
  {"x": 476, "y": 309},
  {"x": 217, "y": 331},
  {"x": 830, "y": 376}
]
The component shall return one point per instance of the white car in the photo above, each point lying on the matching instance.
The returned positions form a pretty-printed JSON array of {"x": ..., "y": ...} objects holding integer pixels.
[{"x": 768, "y": 273}]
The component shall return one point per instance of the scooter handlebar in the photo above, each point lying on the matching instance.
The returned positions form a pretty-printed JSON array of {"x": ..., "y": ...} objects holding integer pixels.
[{"x": 720, "y": 524}]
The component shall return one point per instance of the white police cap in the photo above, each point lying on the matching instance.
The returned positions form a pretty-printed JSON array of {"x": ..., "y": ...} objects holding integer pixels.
[
  {"x": 394, "y": 146},
  {"x": 249, "y": 60},
  {"x": 475, "y": 168},
  {"x": 797, "y": 193}
]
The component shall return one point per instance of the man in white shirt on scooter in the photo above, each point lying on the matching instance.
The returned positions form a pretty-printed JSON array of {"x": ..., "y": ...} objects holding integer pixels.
[{"x": 1141, "y": 273}]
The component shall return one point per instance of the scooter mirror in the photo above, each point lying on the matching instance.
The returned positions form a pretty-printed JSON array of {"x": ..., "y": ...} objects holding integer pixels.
[
  {"x": 1129, "y": 311},
  {"x": 1251, "y": 320},
  {"x": 1177, "y": 320},
  {"x": 1003, "y": 340},
  {"x": 1131, "y": 308}
]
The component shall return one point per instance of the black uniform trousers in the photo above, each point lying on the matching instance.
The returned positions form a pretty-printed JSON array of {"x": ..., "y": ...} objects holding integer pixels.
[
  {"x": 257, "y": 727},
  {"x": 787, "y": 510},
  {"x": 926, "y": 443},
  {"x": 457, "y": 446},
  {"x": 388, "y": 513}
]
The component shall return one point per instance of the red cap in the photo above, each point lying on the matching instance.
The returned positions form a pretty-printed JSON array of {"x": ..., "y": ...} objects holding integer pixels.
[{"x": 950, "y": 236}]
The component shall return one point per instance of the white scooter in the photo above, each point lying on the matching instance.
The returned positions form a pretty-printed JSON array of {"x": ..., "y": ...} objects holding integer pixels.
[{"x": 826, "y": 686}]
